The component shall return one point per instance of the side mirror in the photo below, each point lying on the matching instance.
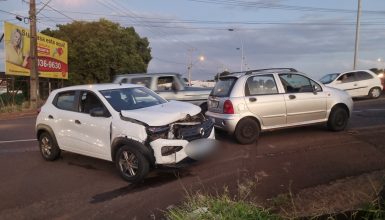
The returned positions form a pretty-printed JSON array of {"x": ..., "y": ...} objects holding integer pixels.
[
  {"x": 99, "y": 112},
  {"x": 174, "y": 87}
]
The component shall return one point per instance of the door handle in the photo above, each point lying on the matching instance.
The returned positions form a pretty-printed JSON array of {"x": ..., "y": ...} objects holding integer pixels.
[
  {"x": 292, "y": 96},
  {"x": 50, "y": 117},
  {"x": 252, "y": 99},
  {"x": 355, "y": 84},
  {"x": 77, "y": 122}
]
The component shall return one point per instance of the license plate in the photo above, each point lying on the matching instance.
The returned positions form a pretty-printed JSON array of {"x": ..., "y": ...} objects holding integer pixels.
[{"x": 214, "y": 104}]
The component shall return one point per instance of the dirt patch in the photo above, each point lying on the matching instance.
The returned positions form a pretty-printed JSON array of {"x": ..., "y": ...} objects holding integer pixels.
[{"x": 338, "y": 196}]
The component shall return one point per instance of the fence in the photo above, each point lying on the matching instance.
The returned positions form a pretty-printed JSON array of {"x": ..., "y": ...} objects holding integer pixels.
[{"x": 15, "y": 90}]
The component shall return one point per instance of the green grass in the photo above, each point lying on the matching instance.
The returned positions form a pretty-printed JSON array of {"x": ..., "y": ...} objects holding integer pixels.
[
  {"x": 11, "y": 102},
  {"x": 201, "y": 206}
]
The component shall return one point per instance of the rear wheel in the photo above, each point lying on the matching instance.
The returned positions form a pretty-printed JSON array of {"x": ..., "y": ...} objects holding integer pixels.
[
  {"x": 48, "y": 147},
  {"x": 374, "y": 93},
  {"x": 131, "y": 164},
  {"x": 247, "y": 131},
  {"x": 338, "y": 119}
]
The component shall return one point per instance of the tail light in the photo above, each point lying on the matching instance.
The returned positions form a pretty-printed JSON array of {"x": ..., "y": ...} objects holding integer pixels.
[{"x": 228, "y": 107}]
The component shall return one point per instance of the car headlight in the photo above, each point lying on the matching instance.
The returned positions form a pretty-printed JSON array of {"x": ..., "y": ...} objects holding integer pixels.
[
  {"x": 381, "y": 75},
  {"x": 157, "y": 129}
]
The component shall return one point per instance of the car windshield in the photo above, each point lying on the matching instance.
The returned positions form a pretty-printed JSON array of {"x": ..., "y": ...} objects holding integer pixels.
[
  {"x": 131, "y": 98},
  {"x": 329, "y": 78},
  {"x": 223, "y": 86}
]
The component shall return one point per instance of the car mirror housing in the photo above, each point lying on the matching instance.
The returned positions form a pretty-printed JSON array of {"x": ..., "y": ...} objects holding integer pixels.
[{"x": 99, "y": 112}]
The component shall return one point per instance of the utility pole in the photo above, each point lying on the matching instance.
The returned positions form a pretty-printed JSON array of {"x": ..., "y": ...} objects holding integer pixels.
[
  {"x": 357, "y": 35},
  {"x": 34, "y": 78},
  {"x": 191, "y": 50}
]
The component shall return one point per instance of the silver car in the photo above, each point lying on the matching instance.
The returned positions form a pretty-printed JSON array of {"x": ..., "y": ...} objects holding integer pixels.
[{"x": 246, "y": 103}]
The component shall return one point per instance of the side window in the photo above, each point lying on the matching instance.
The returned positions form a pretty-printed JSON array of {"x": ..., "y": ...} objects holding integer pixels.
[
  {"x": 361, "y": 75},
  {"x": 347, "y": 77},
  {"x": 165, "y": 83},
  {"x": 144, "y": 81},
  {"x": 294, "y": 83},
  {"x": 260, "y": 85},
  {"x": 316, "y": 86},
  {"x": 65, "y": 100},
  {"x": 88, "y": 101}
]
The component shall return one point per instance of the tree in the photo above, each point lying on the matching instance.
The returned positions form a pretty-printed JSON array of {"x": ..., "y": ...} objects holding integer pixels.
[
  {"x": 219, "y": 75},
  {"x": 98, "y": 50}
]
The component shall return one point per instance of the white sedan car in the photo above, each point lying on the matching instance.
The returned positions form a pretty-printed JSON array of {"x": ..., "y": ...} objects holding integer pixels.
[
  {"x": 357, "y": 83},
  {"x": 127, "y": 124}
]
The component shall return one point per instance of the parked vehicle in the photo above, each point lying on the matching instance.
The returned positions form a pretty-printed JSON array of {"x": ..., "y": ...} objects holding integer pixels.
[
  {"x": 170, "y": 86},
  {"x": 357, "y": 83},
  {"x": 246, "y": 103},
  {"x": 127, "y": 124}
]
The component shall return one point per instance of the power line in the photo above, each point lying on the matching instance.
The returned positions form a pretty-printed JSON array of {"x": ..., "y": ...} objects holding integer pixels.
[{"x": 281, "y": 6}]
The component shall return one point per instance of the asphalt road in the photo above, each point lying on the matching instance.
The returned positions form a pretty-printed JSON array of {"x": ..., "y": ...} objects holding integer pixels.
[{"x": 79, "y": 187}]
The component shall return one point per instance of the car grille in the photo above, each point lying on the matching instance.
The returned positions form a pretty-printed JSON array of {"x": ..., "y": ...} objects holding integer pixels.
[{"x": 193, "y": 132}]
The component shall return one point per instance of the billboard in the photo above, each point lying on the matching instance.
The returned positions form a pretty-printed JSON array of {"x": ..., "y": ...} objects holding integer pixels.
[{"x": 52, "y": 53}]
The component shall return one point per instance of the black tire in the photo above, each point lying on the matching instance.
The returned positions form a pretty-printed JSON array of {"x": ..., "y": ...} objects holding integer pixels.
[
  {"x": 374, "y": 93},
  {"x": 338, "y": 119},
  {"x": 131, "y": 164},
  {"x": 48, "y": 147},
  {"x": 247, "y": 131}
]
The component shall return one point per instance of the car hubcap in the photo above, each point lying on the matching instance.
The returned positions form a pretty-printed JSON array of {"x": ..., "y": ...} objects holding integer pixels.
[
  {"x": 128, "y": 163},
  {"x": 248, "y": 131},
  {"x": 46, "y": 146},
  {"x": 340, "y": 119},
  {"x": 375, "y": 93}
]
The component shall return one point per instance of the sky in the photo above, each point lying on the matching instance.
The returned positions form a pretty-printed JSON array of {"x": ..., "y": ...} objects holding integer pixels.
[{"x": 315, "y": 37}]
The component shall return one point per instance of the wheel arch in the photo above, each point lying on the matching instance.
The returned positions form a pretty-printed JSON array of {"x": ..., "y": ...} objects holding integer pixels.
[
  {"x": 340, "y": 105},
  {"x": 41, "y": 128},
  {"x": 121, "y": 141},
  {"x": 253, "y": 118}
]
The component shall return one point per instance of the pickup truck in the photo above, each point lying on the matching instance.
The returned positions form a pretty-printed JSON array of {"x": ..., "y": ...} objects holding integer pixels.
[{"x": 170, "y": 86}]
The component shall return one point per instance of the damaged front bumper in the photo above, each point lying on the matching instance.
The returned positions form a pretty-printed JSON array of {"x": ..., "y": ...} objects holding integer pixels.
[{"x": 194, "y": 141}]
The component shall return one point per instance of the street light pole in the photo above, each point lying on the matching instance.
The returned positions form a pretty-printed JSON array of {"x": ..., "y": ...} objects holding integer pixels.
[
  {"x": 357, "y": 35},
  {"x": 242, "y": 52},
  {"x": 191, "y": 50},
  {"x": 34, "y": 78}
]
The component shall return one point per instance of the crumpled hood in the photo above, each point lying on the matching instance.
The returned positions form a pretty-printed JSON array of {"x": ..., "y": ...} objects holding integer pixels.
[{"x": 164, "y": 114}]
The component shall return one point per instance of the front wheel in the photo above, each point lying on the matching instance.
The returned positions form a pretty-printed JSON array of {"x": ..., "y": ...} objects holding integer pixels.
[
  {"x": 48, "y": 147},
  {"x": 374, "y": 93},
  {"x": 131, "y": 164},
  {"x": 247, "y": 131},
  {"x": 338, "y": 119}
]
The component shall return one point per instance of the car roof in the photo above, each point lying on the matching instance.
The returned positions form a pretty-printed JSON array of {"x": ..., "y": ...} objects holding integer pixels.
[
  {"x": 262, "y": 71},
  {"x": 97, "y": 87}
]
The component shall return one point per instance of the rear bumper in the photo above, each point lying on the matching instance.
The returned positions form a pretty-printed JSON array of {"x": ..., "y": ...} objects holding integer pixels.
[
  {"x": 225, "y": 122},
  {"x": 195, "y": 149}
]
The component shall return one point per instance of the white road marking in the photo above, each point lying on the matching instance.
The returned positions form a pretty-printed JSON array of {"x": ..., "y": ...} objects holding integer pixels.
[
  {"x": 15, "y": 141},
  {"x": 374, "y": 109}
]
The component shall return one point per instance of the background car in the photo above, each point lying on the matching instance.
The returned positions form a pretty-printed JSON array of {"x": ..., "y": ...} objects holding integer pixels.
[
  {"x": 246, "y": 103},
  {"x": 358, "y": 83},
  {"x": 170, "y": 86}
]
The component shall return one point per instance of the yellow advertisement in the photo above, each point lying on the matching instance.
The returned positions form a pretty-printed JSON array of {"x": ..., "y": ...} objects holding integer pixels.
[{"x": 52, "y": 53}]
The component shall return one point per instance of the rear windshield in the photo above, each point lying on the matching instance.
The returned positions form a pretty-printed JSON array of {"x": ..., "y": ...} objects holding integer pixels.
[
  {"x": 329, "y": 78},
  {"x": 223, "y": 86}
]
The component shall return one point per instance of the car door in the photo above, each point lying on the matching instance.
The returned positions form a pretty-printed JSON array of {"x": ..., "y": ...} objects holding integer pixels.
[
  {"x": 364, "y": 83},
  {"x": 264, "y": 101},
  {"x": 304, "y": 98},
  {"x": 91, "y": 135},
  {"x": 166, "y": 87},
  {"x": 348, "y": 83},
  {"x": 63, "y": 118}
]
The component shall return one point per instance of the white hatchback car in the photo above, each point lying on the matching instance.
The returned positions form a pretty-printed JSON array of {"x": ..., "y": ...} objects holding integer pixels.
[
  {"x": 357, "y": 83},
  {"x": 128, "y": 124}
]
